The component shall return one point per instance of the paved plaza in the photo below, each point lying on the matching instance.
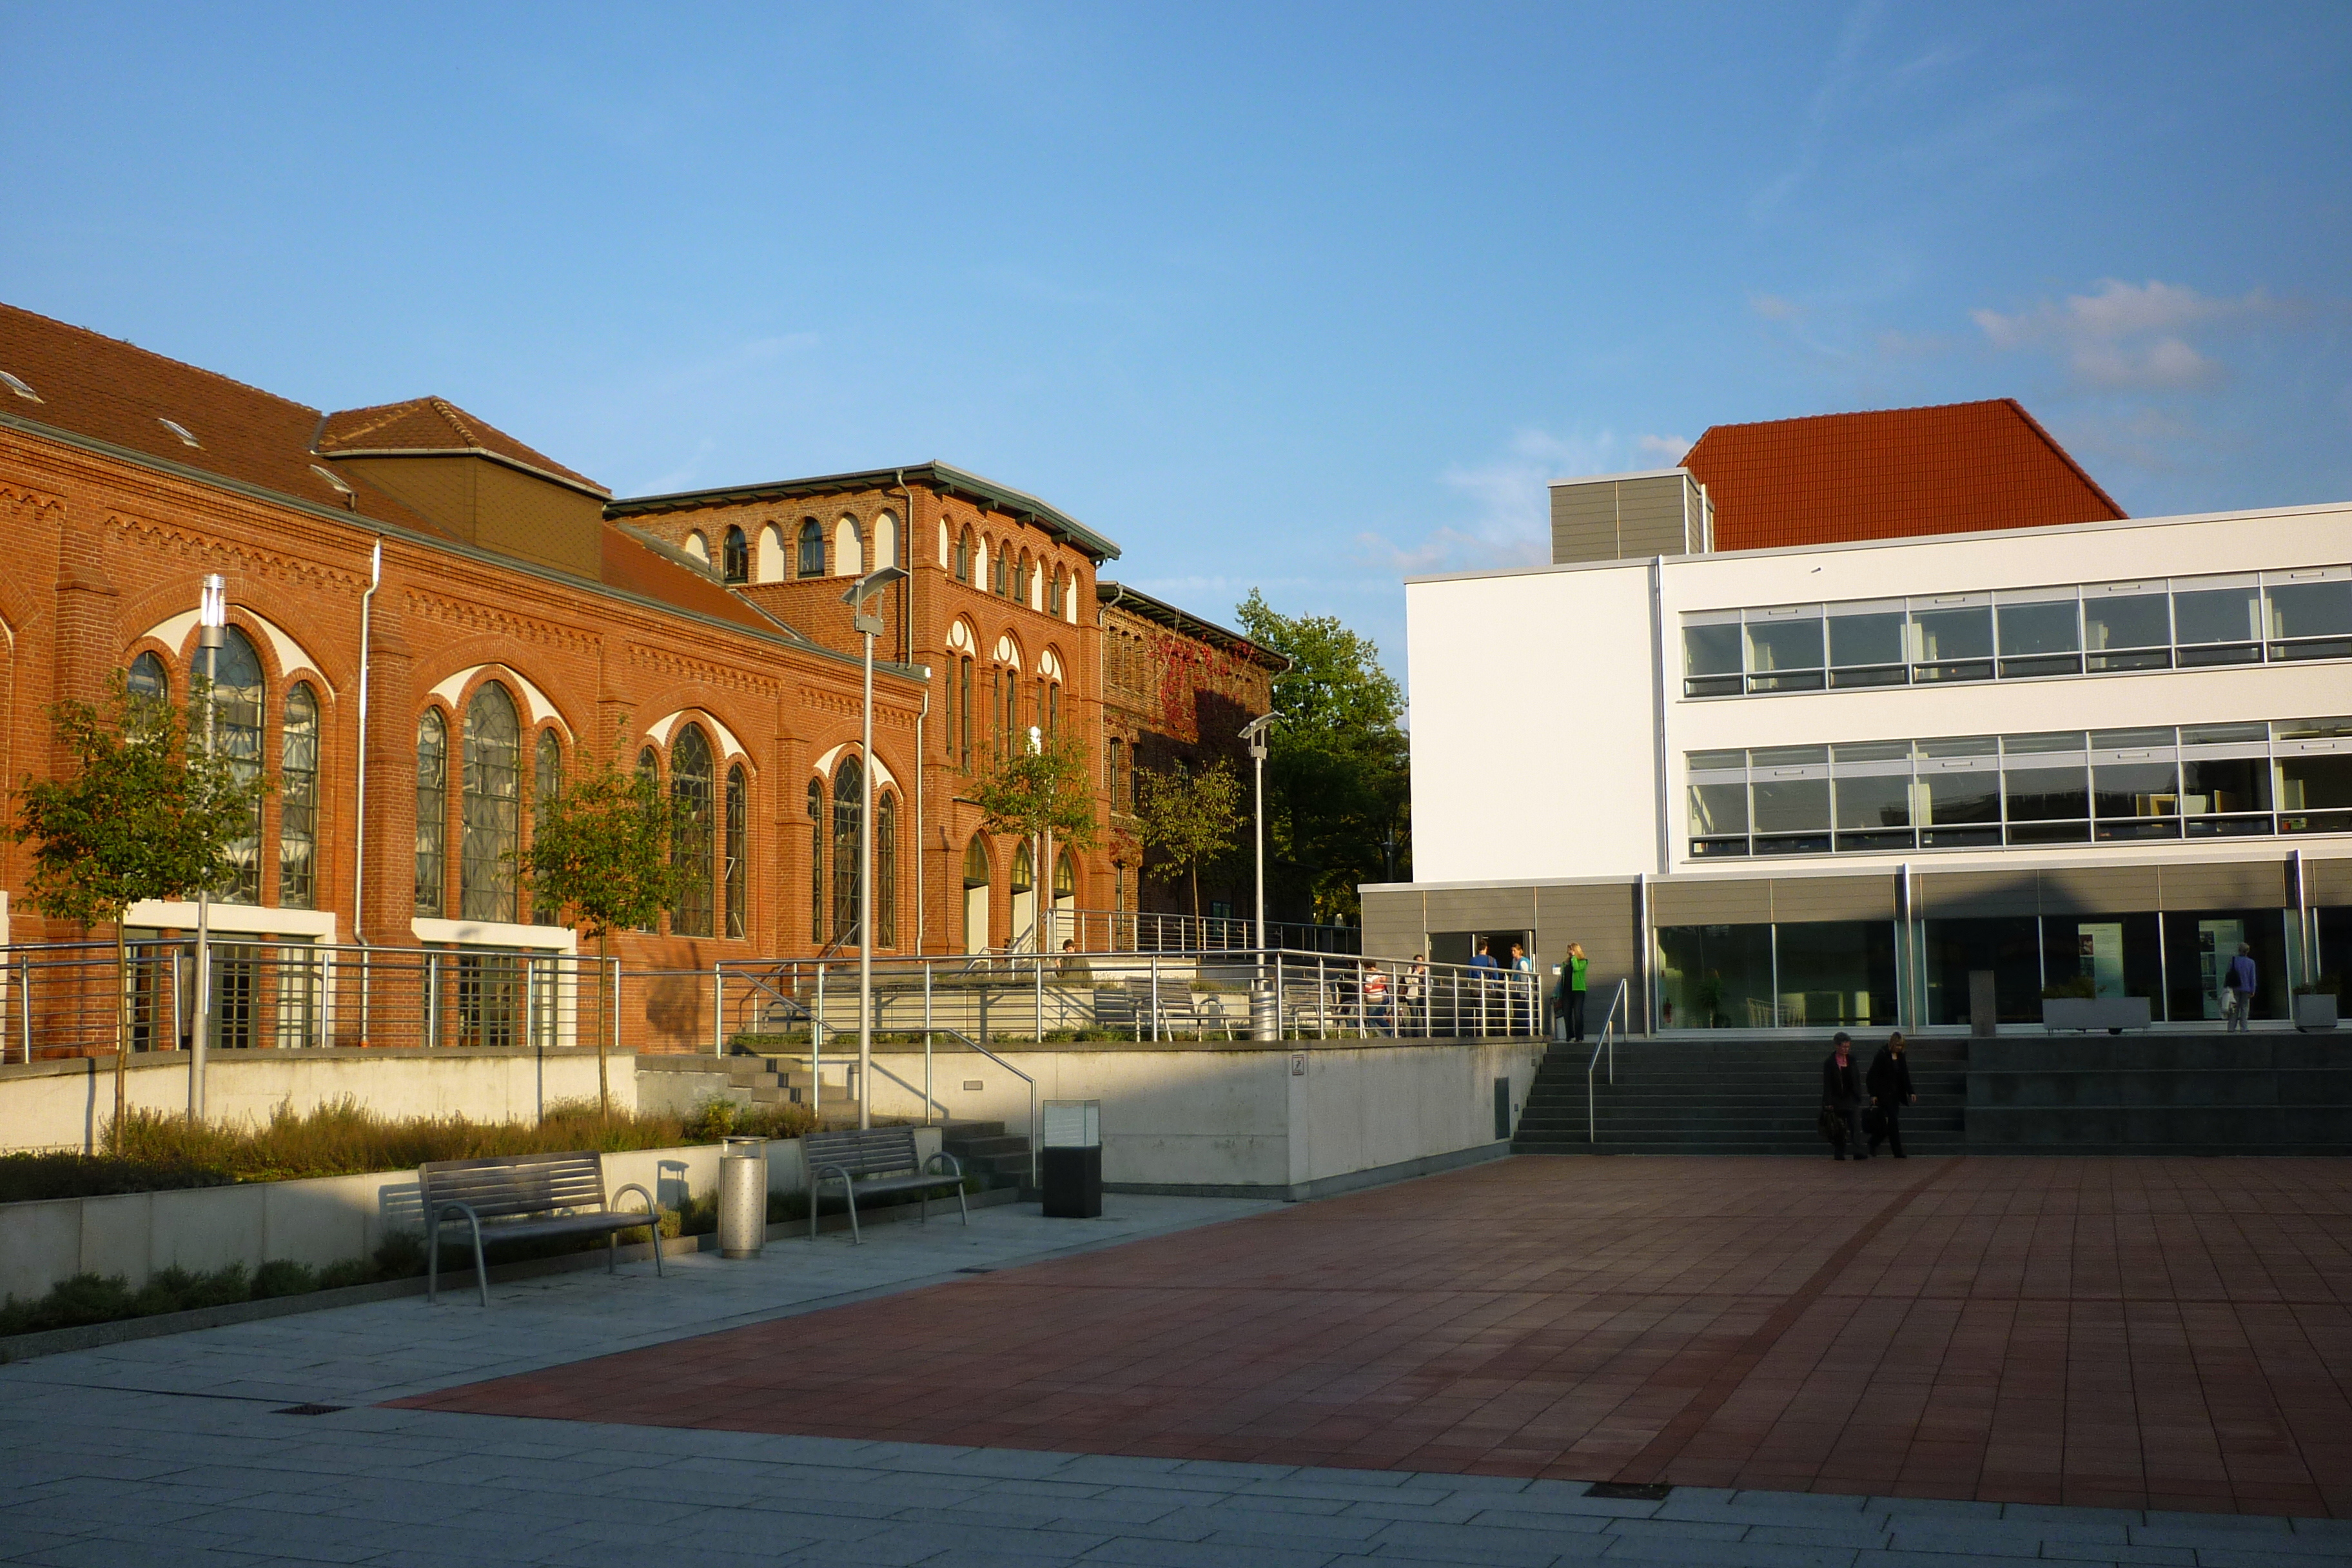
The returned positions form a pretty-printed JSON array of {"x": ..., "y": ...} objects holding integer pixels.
[{"x": 1926, "y": 1362}]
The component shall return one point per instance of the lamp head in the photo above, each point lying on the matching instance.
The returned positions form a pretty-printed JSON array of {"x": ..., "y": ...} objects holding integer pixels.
[{"x": 212, "y": 612}]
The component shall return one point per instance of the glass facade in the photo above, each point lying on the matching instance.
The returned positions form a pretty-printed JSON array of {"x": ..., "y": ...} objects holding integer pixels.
[
  {"x": 2062, "y": 787},
  {"x": 1853, "y": 974},
  {"x": 2276, "y": 617}
]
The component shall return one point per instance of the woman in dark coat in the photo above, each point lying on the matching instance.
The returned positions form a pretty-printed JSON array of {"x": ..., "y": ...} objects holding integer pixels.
[
  {"x": 1890, "y": 1089},
  {"x": 1841, "y": 1093}
]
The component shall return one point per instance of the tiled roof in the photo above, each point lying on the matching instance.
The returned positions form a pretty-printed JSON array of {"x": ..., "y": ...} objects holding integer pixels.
[
  {"x": 634, "y": 567},
  {"x": 107, "y": 390},
  {"x": 434, "y": 425},
  {"x": 1891, "y": 474}
]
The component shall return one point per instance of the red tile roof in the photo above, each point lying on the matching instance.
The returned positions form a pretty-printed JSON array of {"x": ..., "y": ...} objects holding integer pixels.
[
  {"x": 633, "y": 566},
  {"x": 118, "y": 393},
  {"x": 1891, "y": 474},
  {"x": 434, "y": 425}
]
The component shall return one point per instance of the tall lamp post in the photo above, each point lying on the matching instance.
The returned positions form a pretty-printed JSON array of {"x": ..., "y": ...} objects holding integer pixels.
[
  {"x": 1254, "y": 733},
  {"x": 212, "y": 633},
  {"x": 870, "y": 623}
]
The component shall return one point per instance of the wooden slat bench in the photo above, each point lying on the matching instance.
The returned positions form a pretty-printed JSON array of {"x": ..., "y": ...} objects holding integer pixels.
[
  {"x": 876, "y": 1159},
  {"x": 524, "y": 1196}
]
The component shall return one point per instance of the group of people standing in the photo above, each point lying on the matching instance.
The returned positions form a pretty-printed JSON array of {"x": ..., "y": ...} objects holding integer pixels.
[{"x": 1845, "y": 1087}]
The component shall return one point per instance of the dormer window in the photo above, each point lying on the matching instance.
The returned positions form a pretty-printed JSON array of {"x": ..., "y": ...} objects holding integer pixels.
[{"x": 176, "y": 428}]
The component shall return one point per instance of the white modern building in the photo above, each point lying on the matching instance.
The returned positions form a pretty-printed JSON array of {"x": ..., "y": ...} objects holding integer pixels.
[{"x": 1820, "y": 785}]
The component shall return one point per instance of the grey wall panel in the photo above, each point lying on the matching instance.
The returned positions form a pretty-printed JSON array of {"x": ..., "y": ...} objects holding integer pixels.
[
  {"x": 1584, "y": 522},
  {"x": 1607, "y": 920},
  {"x": 1870, "y": 897},
  {"x": 1651, "y": 516},
  {"x": 1724, "y": 900},
  {"x": 2100, "y": 890},
  {"x": 2327, "y": 882},
  {"x": 1480, "y": 908},
  {"x": 1962, "y": 895},
  {"x": 2225, "y": 885},
  {"x": 1392, "y": 924}
]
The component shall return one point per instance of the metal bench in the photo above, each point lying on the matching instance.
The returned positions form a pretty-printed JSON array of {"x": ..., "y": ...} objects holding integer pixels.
[
  {"x": 526, "y": 1196},
  {"x": 876, "y": 1159}
]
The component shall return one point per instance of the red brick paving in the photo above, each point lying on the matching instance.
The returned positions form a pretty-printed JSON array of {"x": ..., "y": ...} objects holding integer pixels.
[{"x": 2135, "y": 1333}]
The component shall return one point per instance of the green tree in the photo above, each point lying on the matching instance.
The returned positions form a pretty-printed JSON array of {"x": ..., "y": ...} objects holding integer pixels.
[
  {"x": 599, "y": 852},
  {"x": 1191, "y": 819},
  {"x": 139, "y": 816},
  {"x": 1337, "y": 776},
  {"x": 1039, "y": 795}
]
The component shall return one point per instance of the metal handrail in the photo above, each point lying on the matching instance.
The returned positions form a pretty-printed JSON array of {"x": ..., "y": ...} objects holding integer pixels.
[
  {"x": 1607, "y": 1042},
  {"x": 1033, "y": 1132}
]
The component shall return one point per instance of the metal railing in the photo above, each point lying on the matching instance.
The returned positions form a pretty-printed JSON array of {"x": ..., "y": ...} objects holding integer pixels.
[
  {"x": 1199, "y": 996},
  {"x": 1132, "y": 931},
  {"x": 62, "y": 999},
  {"x": 1606, "y": 1043}
]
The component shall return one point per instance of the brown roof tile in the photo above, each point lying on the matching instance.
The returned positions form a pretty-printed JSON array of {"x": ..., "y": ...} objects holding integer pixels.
[
  {"x": 1891, "y": 474},
  {"x": 634, "y": 568},
  {"x": 108, "y": 390},
  {"x": 434, "y": 425}
]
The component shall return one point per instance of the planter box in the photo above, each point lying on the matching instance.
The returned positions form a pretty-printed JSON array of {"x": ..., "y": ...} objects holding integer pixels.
[
  {"x": 2113, "y": 1013},
  {"x": 2314, "y": 1012}
]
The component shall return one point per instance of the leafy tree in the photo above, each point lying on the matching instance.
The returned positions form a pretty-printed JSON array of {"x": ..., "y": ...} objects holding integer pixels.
[
  {"x": 1337, "y": 778},
  {"x": 1033, "y": 793},
  {"x": 1189, "y": 818},
  {"x": 139, "y": 815},
  {"x": 599, "y": 852}
]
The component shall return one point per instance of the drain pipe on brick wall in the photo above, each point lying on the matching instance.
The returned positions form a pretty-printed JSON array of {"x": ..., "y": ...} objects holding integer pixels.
[{"x": 359, "y": 801}]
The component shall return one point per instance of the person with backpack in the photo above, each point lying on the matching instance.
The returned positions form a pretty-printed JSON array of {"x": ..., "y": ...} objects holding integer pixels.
[{"x": 2238, "y": 987}]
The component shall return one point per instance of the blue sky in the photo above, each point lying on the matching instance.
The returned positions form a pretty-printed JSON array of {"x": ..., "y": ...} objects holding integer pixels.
[{"x": 1302, "y": 297}]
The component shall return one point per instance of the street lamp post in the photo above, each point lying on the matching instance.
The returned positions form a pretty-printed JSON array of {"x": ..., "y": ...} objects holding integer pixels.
[
  {"x": 212, "y": 633},
  {"x": 869, "y": 624},
  {"x": 1254, "y": 733}
]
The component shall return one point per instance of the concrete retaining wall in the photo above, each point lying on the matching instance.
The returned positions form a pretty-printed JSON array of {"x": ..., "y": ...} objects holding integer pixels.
[
  {"x": 2266, "y": 1092},
  {"x": 1272, "y": 1118},
  {"x": 67, "y": 1104},
  {"x": 317, "y": 1222}
]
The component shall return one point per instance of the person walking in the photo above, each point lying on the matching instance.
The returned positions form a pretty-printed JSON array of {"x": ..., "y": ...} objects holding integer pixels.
[
  {"x": 1573, "y": 969},
  {"x": 1889, "y": 1083},
  {"x": 2238, "y": 989},
  {"x": 1842, "y": 1094},
  {"x": 1523, "y": 991}
]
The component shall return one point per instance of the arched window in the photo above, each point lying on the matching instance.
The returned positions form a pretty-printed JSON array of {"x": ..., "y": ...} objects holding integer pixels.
[
  {"x": 848, "y": 782},
  {"x": 885, "y": 542},
  {"x": 964, "y": 711},
  {"x": 848, "y": 549},
  {"x": 546, "y": 784},
  {"x": 735, "y": 557},
  {"x": 432, "y": 810},
  {"x": 885, "y": 869},
  {"x": 297, "y": 801},
  {"x": 817, "y": 860},
  {"x": 699, "y": 547},
  {"x": 236, "y": 716},
  {"x": 147, "y": 678},
  {"x": 1024, "y": 892},
  {"x": 491, "y": 808},
  {"x": 1066, "y": 881},
  {"x": 691, "y": 836},
  {"x": 975, "y": 895},
  {"x": 1023, "y": 575},
  {"x": 963, "y": 556},
  {"x": 768, "y": 562},
  {"x": 1061, "y": 590},
  {"x": 1114, "y": 753},
  {"x": 738, "y": 807},
  {"x": 999, "y": 570},
  {"x": 811, "y": 549}
]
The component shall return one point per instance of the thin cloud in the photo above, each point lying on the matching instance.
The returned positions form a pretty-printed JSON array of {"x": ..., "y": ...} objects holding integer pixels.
[
  {"x": 2125, "y": 337},
  {"x": 1510, "y": 501},
  {"x": 1773, "y": 308}
]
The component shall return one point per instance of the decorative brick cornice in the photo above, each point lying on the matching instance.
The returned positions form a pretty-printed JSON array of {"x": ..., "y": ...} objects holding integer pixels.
[
  {"x": 684, "y": 667},
  {"x": 480, "y": 620},
  {"x": 208, "y": 548}
]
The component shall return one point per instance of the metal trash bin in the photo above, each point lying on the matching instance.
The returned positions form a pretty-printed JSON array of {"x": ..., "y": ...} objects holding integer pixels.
[
  {"x": 742, "y": 1197},
  {"x": 1266, "y": 1011},
  {"x": 1070, "y": 1159}
]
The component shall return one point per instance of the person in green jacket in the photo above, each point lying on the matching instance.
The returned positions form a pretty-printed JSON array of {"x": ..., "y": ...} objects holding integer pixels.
[{"x": 1571, "y": 998}]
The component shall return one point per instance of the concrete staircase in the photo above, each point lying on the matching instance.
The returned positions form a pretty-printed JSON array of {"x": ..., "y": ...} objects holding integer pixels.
[
  {"x": 985, "y": 1150},
  {"x": 1701, "y": 1096}
]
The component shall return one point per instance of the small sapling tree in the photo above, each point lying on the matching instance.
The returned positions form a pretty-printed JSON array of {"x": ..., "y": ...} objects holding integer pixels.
[
  {"x": 1190, "y": 820},
  {"x": 137, "y": 815},
  {"x": 599, "y": 852},
  {"x": 1043, "y": 793}
]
